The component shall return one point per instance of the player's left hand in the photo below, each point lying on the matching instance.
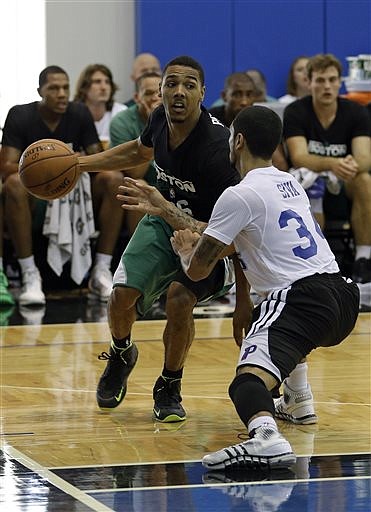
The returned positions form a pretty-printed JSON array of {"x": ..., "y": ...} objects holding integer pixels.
[
  {"x": 137, "y": 195},
  {"x": 183, "y": 242}
]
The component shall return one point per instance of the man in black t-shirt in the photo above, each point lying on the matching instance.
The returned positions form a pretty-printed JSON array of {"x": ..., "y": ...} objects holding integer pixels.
[
  {"x": 191, "y": 156},
  {"x": 323, "y": 133},
  {"x": 54, "y": 117}
]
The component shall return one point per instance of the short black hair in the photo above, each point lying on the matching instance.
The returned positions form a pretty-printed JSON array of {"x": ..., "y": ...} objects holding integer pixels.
[
  {"x": 189, "y": 62},
  {"x": 43, "y": 76},
  {"x": 238, "y": 77},
  {"x": 261, "y": 128}
]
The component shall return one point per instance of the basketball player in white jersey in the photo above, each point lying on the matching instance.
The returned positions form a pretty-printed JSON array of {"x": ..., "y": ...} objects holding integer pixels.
[{"x": 286, "y": 259}]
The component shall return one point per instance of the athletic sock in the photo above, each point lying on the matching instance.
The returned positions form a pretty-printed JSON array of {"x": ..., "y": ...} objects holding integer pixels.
[
  {"x": 123, "y": 343},
  {"x": 171, "y": 375},
  {"x": 259, "y": 422},
  {"x": 103, "y": 259},
  {"x": 27, "y": 263},
  {"x": 298, "y": 378}
]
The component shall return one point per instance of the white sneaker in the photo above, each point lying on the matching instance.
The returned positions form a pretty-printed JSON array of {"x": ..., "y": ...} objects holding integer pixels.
[
  {"x": 31, "y": 291},
  {"x": 267, "y": 449},
  {"x": 100, "y": 283},
  {"x": 296, "y": 406}
]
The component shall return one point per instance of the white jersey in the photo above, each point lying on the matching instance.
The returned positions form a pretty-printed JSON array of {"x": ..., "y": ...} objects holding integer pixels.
[
  {"x": 268, "y": 217},
  {"x": 103, "y": 124}
]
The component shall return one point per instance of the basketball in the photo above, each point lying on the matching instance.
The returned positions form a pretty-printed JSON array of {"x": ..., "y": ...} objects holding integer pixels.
[{"x": 48, "y": 169}]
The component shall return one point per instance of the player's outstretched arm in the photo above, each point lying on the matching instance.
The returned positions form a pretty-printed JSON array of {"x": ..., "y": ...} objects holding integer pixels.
[
  {"x": 125, "y": 156},
  {"x": 140, "y": 197},
  {"x": 199, "y": 262}
]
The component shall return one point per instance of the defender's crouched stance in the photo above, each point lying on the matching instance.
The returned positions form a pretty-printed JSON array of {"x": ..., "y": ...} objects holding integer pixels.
[{"x": 286, "y": 259}]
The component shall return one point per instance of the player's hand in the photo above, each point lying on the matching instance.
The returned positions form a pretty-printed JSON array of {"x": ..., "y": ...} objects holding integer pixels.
[
  {"x": 345, "y": 168},
  {"x": 184, "y": 241},
  {"x": 137, "y": 195}
]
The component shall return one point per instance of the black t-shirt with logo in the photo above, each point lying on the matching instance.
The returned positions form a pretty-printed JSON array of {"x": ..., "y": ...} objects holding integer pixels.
[
  {"x": 193, "y": 175},
  {"x": 24, "y": 125},
  {"x": 336, "y": 141}
]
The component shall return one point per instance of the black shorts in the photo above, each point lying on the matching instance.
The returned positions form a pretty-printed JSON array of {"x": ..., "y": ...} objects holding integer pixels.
[
  {"x": 316, "y": 311},
  {"x": 149, "y": 265}
]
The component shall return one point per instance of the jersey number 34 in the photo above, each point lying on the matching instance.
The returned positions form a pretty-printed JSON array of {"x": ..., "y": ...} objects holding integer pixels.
[{"x": 303, "y": 232}]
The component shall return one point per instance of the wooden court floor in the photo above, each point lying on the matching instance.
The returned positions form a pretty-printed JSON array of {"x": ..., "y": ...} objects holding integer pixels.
[{"x": 61, "y": 453}]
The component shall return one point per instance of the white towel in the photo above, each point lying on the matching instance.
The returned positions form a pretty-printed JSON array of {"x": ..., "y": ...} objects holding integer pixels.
[
  {"x": 307, "y": 177},
  {"x": 69, "y": 224}
]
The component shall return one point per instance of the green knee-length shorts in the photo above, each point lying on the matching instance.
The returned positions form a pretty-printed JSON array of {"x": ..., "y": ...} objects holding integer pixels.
[{"x": 149, "y": 265}]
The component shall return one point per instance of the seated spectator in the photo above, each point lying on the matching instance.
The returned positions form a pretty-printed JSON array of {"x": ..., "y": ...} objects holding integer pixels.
[
  {"x": 260, "y": 82},
  {"x": 129, "y": 124},
  {"x": 328, "y": 134},
  {"x": 297, "y": 81},
  {"x": 239, "y": 92},
  {"x": 95, "y": 87},
  {"x": 6, "y": 298},
  {"x": 54, "y": 117},
  {"x": 143, "y": 63}
]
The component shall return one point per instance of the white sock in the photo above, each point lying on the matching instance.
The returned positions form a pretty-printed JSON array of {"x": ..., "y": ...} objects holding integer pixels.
[
  {"x": 262, "y": 420},
  {"x": 298, "y": 378},
  {"x": 27, "y": 263},
  {"x": 103, "y": 259},
  {"x": 363, "y": 251}
]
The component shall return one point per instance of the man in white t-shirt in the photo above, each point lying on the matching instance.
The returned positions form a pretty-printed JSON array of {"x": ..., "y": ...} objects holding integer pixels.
[
  {"x": 306, "y": 303},
  {"x": 96, "y": 89}
]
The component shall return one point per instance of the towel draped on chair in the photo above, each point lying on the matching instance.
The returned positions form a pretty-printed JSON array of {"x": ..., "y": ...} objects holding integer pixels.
[{"x": 69, "y": 224}]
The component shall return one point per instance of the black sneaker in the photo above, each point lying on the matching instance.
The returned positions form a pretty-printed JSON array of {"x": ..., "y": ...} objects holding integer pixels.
[
  {"x": 167, "y": 407},
  {"x": 362, "y": 270},
  {"x": 112, "y": 385}
]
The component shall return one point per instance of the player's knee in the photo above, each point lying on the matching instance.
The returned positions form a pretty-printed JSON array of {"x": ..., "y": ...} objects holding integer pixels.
[
  {"x": 179, "y": 299},
  {"x": 250, "y": 395},
  {"x": 123, "y": 298}
]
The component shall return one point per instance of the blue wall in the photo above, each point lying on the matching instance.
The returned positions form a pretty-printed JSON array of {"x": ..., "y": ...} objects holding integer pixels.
[{"x": 234, "y": 35}]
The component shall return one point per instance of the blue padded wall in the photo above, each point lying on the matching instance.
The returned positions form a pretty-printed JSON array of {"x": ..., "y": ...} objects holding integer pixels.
[
  {"x": 233, "y": 35},
  {"x": 199, "y": 28}
]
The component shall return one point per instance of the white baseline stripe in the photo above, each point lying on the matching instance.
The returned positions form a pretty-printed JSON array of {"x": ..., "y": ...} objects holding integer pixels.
[
  {"x": 183, "y": 461},
  {"x": 203, "y": 397},
  {"x": 56, "y": 480}
]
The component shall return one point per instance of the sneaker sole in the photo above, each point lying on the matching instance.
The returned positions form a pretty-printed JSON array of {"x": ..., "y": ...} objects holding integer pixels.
[
  {"x": 31, "y": 303},
  {"x": 107, "y": 404},
  {"x": 310, "y": 419},
  {"x": 284, "y": 460},
  {"x": 171, "y": 418}
]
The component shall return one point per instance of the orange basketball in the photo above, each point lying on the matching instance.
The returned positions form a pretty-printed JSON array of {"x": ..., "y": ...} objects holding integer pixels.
[{"x": 48, "y": 169}]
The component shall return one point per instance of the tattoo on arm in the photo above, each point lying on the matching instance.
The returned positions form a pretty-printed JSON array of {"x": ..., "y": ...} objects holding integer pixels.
[
  {"x": 179, "y": 219},
  {"x": 209, "y": 251}
]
